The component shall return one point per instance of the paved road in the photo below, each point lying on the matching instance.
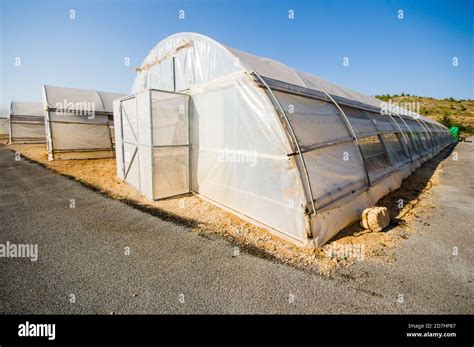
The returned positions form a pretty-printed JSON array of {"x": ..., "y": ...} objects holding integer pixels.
[{"x": 81, "y": 252}]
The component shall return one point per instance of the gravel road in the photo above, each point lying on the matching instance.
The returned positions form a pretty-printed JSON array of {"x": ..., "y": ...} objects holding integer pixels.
[{"x": 83, "y": 251}]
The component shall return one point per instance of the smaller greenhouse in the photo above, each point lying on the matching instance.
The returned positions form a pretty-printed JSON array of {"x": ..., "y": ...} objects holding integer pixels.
[
  {"x": 286, "y": 150},
  {"x": 78, "y": 123},
  {"x": 4, "y": 127},
  {"x": 26, "y": 122}
]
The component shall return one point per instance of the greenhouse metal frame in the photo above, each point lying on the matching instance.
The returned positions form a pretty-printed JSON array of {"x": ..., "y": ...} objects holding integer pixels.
[
  {"x": 26, "y": 122},
  {"x": 78, "y": 123},
  {"x": 4, "y": 128},
  {"x": 322, "y": 152}
]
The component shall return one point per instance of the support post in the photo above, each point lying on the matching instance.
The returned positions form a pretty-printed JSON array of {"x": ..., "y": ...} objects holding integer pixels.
[
  {"x": 174, "y": 74},
  {"x": 295, "y": 143},
  {"x": 50, "y": 140},
  {"x": 403, "y": 135},
  {"x": 352, "y": 132},
  {"x": 152, "y": 148}
]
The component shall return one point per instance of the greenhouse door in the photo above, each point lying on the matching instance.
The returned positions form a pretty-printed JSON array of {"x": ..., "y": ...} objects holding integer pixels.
[
  {"x": 130, "y": 153},
  {"x": 171, "y": 147}
]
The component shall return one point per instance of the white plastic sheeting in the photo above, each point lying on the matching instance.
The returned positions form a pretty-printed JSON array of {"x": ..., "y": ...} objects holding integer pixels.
[
  {"x": 239, "y": 156},
  {"x": 331, "y": 179},
  {"x": 4, "y": 127},
  {"x": 309, "y": 116},
  {"x": 202, "y": 61},
  {"x": 75, "y": 100},
  {"x": 245, "y": 139},
  {"x": 77, "y": 122},
  {"x": 281, "y": 72},
  {"x": 26, "y": 122},
  {"x": 170, "y": 171}
]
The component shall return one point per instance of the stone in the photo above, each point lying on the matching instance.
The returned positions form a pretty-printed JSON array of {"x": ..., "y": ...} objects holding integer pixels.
[{"x": 375, "y": 218}]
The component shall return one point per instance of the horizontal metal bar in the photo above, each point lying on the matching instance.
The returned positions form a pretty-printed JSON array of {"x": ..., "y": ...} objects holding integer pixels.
[
  {"x": 165, "y": 146},
  {"x": 83, "y": 150},
  {"x": 85, "y": 113},
  {"x": 36, "y": 139},
  {"x": 64, "y": 122},
  {"x": 357, "y": 190},
  {"x": 23, "y": 115},
  {"x": 318, "y": 95},
  {"x": 27, "y": 121},
  {"x": 322, "y": 206},
  {"x": 315, "y": 94},
  {"x": 132, "y": 96},
  {"x": 156, "y": 146},
  {"x": 322, "y": 145},
  {"x": 168, "y": 91},
  {"x": 128, "y": 97}
]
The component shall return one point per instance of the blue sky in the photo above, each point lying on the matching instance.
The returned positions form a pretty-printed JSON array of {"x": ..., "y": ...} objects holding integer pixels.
[{"x": 386, "y": 55}]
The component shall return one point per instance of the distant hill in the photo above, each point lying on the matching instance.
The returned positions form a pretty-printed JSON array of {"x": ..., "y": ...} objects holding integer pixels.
[{"x": 448, "y": 111}]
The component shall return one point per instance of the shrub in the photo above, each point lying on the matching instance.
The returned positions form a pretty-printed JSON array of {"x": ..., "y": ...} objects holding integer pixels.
[{"x": 446, "y": 120}]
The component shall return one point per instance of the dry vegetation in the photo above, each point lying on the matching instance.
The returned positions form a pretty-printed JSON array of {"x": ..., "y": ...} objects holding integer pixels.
[
  {"x": 209, "y": 221},
  {"x": 461, "y": 112}
]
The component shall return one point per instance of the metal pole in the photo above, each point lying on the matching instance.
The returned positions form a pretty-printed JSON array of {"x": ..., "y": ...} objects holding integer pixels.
[
  {"x": 412, "y": 134},
  {"x": 403, "y": 135},
  {"x": 130, "y": 166},
  {"x": 110, "y": 138},
  {"x": 433, "y": 141},
  {"x": 381, "y": 140},
  {"x": 428, "y": 142},
  {"x": 10, "y": 124},
  {"x": 295, "y": 143},
  {"x": 137, "y": 148},
  {"x": 121, "y": 138},
  {"x": 352, "y": 132},
  {"x": 50, "y": 130},
  {"x": 188, "y": 115},
  {"x": 152, "y": 146},
  {"x": 174, "y": 74}
]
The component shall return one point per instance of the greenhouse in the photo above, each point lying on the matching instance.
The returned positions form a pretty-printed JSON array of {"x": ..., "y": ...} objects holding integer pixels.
[
  {"x": 79, "y": 123},
  {"x": 4, "y": 128},
  {"x": 283, "y": 149},
  {"x": 26, "y": 122}
]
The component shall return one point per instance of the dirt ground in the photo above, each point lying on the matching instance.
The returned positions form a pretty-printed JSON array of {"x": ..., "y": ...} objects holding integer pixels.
[{"x": 351, "y": 245}]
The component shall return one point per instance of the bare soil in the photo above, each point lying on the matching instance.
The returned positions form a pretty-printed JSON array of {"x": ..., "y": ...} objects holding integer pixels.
[{"x": 209, "y": 221}]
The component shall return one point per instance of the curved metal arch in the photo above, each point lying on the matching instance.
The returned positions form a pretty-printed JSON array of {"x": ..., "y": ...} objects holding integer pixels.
[
  {"x": 428, "y": 132},
  {"x": 433, "y": 137},
  {"x": 352, "y": 132},
  {"x": 294, "y": 140},
  {"x": 403, "y": 135},
  {"x": 412, "y": 134}
]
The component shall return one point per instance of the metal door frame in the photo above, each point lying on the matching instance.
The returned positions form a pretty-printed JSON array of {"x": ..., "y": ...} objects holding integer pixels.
[
  {"x": 126, "y": 169},
  {"x": 153, "y": 146}
]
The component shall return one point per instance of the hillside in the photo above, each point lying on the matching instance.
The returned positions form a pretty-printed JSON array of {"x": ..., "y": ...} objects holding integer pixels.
[{"x": 448, "y": 111}]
